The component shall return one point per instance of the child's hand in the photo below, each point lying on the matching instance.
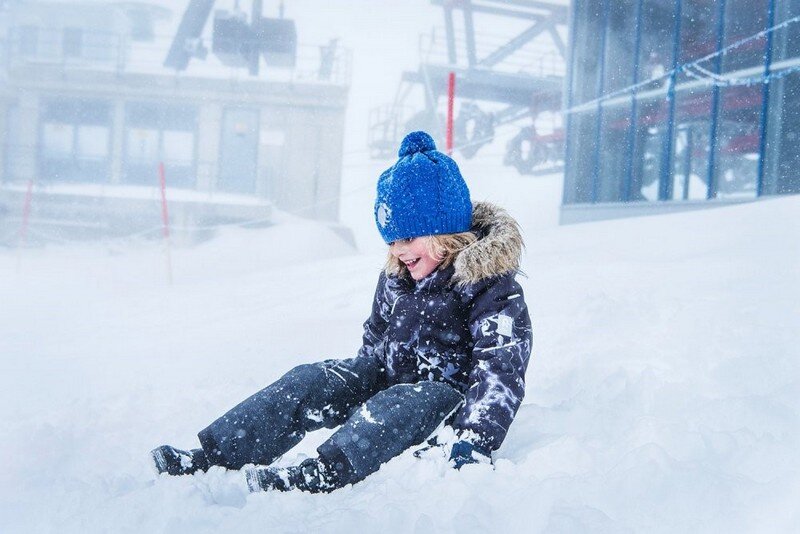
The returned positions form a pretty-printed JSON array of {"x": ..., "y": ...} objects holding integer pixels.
[{"x": 465, "y": 452}]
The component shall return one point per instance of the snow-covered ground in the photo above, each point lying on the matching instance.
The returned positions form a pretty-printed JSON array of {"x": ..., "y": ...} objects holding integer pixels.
[{"x": 663, "y": 394}]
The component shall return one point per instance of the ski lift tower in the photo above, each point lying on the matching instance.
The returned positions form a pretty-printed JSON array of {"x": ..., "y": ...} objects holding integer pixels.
[{"x": 509, "y": 58}]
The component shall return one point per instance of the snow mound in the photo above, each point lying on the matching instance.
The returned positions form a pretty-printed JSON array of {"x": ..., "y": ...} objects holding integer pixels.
[{"x": 662, "y": 394}]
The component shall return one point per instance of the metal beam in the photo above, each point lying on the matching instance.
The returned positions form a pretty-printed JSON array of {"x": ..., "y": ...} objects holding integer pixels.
[
  {"x": 514, "y": 44},
  {"x": 561, "y": 12},
  {"x": 191, "y": 27},
  {"x": 469, "y": 29},
  {"x": 711, "y": 192},
  {"x": 510, "y": 114},
  {"x": 665, "y": 185},
  {"x": 627, "y": 186},
  {"x": 570, "y": 75},
  {"x": 562, "y": 48},
  {"x": 762, "y": 144},
  {"x": 499, "y": 11},
  {"x": 509, "y": 88},
  {"x": 255, "y": 53},
  {"x": 451, "y": 32},
  {"x": 599, "y": 88},
  {"x": 546, "y": 6}
]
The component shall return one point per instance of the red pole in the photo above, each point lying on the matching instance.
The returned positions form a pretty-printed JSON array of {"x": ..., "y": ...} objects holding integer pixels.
[
  {"x": 451, "y": 94},
  {"x": 165, "y": 217},
  {"x": 26, "y": 213}
]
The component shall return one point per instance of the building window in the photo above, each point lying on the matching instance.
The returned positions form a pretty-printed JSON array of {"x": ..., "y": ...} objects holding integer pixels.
[
  {"x": 783, "y": 126},
  {"x": 28, "y": 41},
  {"x": 58, "y": 140},
  {"x": 100, "y": 46},
  {"x": 15, "y": 153},
  {"x": 75, "y": 139},
  {"x": 160, "y": 133},
  {"x": 73, "y": 42},
  {"x": 739, "y": 133},
  {"x": 588, "y": 21}
]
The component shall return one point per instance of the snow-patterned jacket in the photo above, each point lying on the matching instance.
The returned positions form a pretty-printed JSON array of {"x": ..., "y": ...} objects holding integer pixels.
[{"x": 466, "y": 325}]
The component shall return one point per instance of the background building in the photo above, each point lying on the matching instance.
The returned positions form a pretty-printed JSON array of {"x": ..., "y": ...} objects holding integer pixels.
[
  {"x": 88, "y": 112},
  {"x": 668, "y": 108}
]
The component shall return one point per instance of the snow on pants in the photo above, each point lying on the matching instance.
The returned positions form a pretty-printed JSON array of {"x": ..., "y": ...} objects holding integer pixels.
[{"x": 378, "y": 422}]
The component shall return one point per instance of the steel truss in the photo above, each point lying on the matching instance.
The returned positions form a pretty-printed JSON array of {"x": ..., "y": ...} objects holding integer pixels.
[{"x": 519, "y": 77}]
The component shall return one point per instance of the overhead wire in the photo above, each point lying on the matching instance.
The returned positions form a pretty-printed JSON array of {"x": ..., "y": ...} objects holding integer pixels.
[{"x": 717, "y": 79}]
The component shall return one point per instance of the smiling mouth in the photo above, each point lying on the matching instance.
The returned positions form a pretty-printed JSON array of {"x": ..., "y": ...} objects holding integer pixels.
[{"x": 411, "y": 263}]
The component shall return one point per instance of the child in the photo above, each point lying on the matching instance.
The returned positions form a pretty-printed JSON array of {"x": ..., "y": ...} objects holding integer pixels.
[{"x": 448, "y": 340}]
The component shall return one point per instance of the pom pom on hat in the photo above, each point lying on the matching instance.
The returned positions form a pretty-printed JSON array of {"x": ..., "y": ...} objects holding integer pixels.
[
  {"x": 416, "y": 142},
  {"x": 423, "y": 193}
]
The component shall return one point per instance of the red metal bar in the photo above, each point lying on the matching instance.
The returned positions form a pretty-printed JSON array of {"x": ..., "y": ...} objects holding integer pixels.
[
  {"x": 451, "y": 94},
  {"x": 165, "y": 219}
]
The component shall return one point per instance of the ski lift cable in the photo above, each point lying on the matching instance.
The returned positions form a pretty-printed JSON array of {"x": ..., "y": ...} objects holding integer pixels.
[{"x": 723, "y": 81}]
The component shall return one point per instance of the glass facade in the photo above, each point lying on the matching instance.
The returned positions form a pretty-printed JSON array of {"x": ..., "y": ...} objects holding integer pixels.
[
  {"x": 782, "y": 157},
  {"x": 643, "y": 129}
]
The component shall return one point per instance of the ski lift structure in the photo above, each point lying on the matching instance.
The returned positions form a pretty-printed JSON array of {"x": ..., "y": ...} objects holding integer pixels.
[
  {"x": 514, "y": 84},
  {"x": 237, "y": 41}
]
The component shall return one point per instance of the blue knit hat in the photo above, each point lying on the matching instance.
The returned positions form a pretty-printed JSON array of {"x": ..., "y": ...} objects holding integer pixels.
[{"x": 422, "y": 194}]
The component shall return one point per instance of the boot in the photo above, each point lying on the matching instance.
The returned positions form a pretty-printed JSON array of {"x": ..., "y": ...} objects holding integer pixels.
[
  {"x": 311, "y": 476},
  {"x": 168, "y": 459}
]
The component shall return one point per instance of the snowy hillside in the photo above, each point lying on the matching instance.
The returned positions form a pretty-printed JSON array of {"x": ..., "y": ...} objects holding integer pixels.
[{"x": 662, "y": 394}]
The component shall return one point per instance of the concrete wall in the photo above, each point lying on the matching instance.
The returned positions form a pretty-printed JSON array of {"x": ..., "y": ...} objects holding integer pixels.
[
  {"x": 208, "y": 144},
  {"x": 300, "y": 140},
  {"x": 3, "y": 134},
  {"x": 581, "y": 213},
  {"x": 311, "y": 161},
  {"x": 26, "y": 137}
]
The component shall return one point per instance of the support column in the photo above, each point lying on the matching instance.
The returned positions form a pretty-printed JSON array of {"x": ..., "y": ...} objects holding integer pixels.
[
  {"x": 208, "y": 146},
  {"x": 3, "y": 140},
  {"x": 25, "y": 160},
  {"x": 716, "y": 108},
  {"x": 599, "y": 90},
  {"x": 469, "y": 30},
  {"x": 665, "y": 185},
  {"x": 117, "y": 140},
  {"x": 765, "y": 95},
  {"x": 271, "y": 142},
  {"x": 450, "y": 34}
]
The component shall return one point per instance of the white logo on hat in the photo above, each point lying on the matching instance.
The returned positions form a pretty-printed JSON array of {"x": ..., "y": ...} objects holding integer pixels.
[{"x": 384, "y": 214}]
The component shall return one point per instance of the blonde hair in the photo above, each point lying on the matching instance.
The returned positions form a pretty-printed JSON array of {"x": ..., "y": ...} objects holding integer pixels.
[{"x": 444, "y": 248}]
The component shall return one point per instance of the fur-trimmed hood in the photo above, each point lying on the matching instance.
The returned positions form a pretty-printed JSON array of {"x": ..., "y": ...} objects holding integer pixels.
[{"x": 496, "y": 252}]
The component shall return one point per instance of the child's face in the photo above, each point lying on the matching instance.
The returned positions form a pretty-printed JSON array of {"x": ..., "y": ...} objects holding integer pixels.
[{"x": 414, "y": 254}]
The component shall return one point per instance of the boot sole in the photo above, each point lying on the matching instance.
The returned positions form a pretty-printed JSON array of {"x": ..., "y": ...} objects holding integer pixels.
[
  {"x": 253, "y": 484},
  {"x": 159, "y": 464}
]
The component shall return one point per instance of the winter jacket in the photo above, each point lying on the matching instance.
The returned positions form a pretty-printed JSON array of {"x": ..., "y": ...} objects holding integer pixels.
[{"x": 466, "y": 325}]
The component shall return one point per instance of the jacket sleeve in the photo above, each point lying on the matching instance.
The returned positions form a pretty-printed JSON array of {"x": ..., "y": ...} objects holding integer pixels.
[
  {"x": 366, "y": 373},
  {"x": 375, "y": 325},
  {"x": 502, "y": 339}
]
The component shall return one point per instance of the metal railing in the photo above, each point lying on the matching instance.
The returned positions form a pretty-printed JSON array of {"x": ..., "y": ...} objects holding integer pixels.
[
  {"x": 539, "y": 58},
  {"x": 114, "y": 52}
]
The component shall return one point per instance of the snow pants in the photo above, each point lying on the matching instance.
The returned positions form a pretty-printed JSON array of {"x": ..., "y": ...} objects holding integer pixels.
[{"x": 377, "y": 422}]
